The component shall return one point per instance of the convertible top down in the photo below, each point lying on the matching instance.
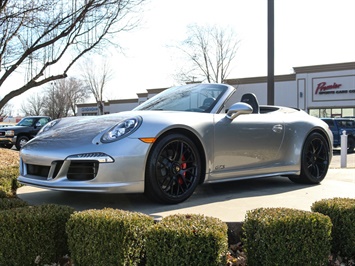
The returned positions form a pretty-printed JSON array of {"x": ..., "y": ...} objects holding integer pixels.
[{"x": 182, "y": 137}]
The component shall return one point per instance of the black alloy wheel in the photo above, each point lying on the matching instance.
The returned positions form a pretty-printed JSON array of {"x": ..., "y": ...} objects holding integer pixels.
[
  {"x": 173, "y": 169},
  {"x": 314, "y": 160}
]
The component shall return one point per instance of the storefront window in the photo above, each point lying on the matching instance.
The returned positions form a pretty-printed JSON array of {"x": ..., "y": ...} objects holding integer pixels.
[
  {"x": 89, "y": 114},
  {"x": 348, "y": 112},
  {"x": 325, "y": 112},
  {"x": 314, "y": 112},
  {"x": 335, "y": 112}
]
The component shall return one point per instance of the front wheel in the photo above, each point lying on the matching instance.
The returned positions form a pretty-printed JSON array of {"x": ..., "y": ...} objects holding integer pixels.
[
  {"x": 173, "y": 169},
  {"x": 22, "y": 140},
  {"x": 314, "y": 160}
]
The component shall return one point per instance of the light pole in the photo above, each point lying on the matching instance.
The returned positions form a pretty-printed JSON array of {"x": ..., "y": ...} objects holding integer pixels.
[{"x": 270, "y": 54}]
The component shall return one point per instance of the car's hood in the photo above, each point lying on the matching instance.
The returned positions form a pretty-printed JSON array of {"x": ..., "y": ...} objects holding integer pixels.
[
  {"x": 10, "y": 128},
  {"x": 82, "y": 127},
  {"x": 83, "y": 134}
]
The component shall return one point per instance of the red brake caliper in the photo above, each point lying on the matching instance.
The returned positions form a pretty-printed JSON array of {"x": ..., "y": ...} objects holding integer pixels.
[{"x": 183, "y": 167}]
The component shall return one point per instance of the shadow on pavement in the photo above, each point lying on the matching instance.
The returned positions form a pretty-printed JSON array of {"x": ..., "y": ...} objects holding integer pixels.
[{"x": 204, "y": 195}]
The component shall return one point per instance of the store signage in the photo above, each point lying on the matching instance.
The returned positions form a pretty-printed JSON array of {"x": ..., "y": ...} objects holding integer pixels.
[
  {"x": 89, "y": 109},
  {"x": 339, "y": 88},
  {"x": 323, "y": 88}
]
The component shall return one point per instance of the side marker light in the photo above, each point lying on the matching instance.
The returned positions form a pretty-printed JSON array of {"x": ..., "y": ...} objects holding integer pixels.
[{"x": 148, "y": 140}]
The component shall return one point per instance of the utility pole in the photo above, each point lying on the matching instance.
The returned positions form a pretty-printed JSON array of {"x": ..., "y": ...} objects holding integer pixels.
[{"x": 270, "y": 54}]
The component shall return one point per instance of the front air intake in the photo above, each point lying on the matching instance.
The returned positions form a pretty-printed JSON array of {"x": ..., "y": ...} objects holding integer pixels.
[{"x": 82, "y": 170}]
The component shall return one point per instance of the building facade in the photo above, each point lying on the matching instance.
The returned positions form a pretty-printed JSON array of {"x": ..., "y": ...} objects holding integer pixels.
[{"x": 321, "y": 90}]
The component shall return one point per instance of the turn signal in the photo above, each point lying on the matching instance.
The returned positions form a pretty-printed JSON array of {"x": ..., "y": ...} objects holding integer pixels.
[{"x": 148, "y": 140}]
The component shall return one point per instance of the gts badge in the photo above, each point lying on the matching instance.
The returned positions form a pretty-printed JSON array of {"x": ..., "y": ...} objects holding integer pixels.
[{"x": 220, "y": 167}]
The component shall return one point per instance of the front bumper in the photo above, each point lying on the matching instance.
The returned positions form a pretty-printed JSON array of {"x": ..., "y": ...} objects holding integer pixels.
[
  {"x": 8, "y": 141},
  {"x": 81, "y": 175},
  {"x": 120, "y": 169}
]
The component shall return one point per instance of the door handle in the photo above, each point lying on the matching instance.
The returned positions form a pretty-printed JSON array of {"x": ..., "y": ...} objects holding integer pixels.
[{"x": 277, "y": 128}]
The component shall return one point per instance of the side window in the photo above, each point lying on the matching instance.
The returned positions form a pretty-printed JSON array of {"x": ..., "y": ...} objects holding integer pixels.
[
  {"x": 330, "y": 123},
  {"x": 349, "y": 124},
  {"x": 43, "y": 121},
  {"x": 346, "y": 123}
]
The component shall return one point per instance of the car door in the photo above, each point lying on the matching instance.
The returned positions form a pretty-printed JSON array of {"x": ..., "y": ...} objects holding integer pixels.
[
  {"x": 247, "y": 145},
  {"x": 38, "y": 124}
]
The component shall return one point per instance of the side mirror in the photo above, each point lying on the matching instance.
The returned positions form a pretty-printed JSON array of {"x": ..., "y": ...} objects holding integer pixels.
[
  {"x": 239, "y": 109},
  {"x": 38, "y": 124}
]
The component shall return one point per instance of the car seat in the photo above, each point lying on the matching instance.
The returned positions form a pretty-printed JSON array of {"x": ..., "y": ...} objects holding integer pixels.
[{"x": 251, "y": 99}]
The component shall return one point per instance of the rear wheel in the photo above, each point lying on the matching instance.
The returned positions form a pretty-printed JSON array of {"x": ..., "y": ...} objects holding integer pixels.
[
  {"x": 173, "y": 169},
  {"x": 314, "y": 160}
]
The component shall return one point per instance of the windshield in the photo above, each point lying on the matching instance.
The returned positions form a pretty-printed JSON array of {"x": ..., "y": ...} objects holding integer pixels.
[
  {"x": 193, "y": 98},
  {"x": 26, "y": 122}
]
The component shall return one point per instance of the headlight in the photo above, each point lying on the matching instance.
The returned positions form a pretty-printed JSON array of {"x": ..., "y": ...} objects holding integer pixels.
[
  {"x": 121, "y": 130},
  {"x": 9, "y": 133},
  {"x": 48, "y": 126}
]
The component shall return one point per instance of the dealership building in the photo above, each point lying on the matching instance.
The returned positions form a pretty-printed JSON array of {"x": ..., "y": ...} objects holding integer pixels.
[{"x": 321, "y": 90}]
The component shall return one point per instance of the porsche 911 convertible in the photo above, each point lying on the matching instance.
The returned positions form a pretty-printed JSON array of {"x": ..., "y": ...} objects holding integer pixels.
[{"x": 184, "y": 136}]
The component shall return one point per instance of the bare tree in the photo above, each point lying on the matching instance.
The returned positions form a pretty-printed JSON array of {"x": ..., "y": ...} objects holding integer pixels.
[
  {"x": 210, "y": 50},
  {"x": 76, "y": 92},
  {"x": 58, "y": 99},
  {"x": 56, "y": 103},
  {"x": 43, "y": 39},
  {"x": 96, "y": 77},
  {"x": 6, "y": 110},
  {"x": 33, "y": 105}
]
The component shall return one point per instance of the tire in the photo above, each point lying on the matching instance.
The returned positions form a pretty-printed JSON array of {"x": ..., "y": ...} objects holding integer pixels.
[
  {"x": 173, "y": 169},
  {"x": 22, "y": 140},
  {"x": 314, "y": 160},
  {"x": 7, "y": 146},
  {"x": 351, "y": 145}
]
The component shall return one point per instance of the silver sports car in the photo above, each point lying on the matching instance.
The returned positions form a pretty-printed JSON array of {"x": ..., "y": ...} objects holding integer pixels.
[{"x": 182, "y": 137}]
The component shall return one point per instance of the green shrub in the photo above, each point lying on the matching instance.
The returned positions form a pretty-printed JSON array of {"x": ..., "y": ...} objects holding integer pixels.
[
  {"x": 107, "y": 237},
  {"x": 10, "y": 203},
  {"x": 187, "y": 240},
  {"x": 342, "y": 213},
  {"x": 2, "y": 193},
  {"x": 281, "y": 236},
  {"x": 8, "y": 180},
  {"x": 33, "y": 232}
]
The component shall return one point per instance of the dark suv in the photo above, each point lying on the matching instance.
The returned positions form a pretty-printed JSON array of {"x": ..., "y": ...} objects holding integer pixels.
[
  {"x": 337, "y": 126},
  {"x": 22, "y": 132}
]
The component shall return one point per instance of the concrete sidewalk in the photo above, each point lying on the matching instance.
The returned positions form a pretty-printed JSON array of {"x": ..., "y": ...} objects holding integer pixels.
[{"x": 227, "y": 201}]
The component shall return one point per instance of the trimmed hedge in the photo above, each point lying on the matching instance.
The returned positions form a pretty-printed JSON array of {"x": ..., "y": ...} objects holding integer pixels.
[
  {"x": 10, "y": 203},
  {"x": 107, "y": 237},
  {"x": 8, "y": 181},
  {"x": 187, "y": 240},
  {"x": 33, "y": 233},
  {"x": 282, "y": 236},
  {"x": 342, "y": 214}
]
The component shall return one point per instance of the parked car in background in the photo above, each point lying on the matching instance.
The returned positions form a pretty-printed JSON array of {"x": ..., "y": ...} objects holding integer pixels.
[
  {"x": 337, "y": 126},
  {"x": 176, "y": 140},
  {"x": 6, "y": 125},
  {"x": 22, "y": 132}
]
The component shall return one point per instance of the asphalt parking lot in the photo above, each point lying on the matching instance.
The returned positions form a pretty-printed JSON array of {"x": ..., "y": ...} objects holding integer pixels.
[{"x": 227, "y": 201}]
